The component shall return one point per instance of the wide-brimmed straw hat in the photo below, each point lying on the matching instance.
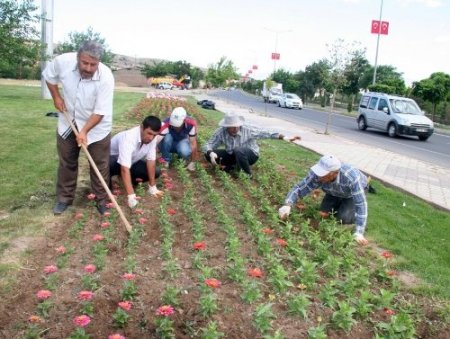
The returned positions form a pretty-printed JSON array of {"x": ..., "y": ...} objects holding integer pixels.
[{"x": 232, "y": 120}]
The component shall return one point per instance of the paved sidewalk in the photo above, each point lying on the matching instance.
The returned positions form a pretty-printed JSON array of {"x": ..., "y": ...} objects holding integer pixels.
[{"x": 424, "y": 180}]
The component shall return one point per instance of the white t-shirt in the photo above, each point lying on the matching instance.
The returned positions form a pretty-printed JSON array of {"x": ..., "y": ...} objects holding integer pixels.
[
  {"x": 83, "y": 97},
  {"x": 128, "y": 146}
]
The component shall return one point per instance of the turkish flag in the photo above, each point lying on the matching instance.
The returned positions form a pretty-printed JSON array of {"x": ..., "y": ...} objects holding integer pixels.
[
  {"x": 249, "y": 71},
  {"x": 384, "y": 28},
  {"x": 380, "y": 27},
  {"x": 255, "y": 67},
  {"x": 275, "y": 56}
]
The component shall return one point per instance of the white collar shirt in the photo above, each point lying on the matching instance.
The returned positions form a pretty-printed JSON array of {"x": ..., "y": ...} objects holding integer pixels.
[
  {"x": 129, "y": 149},
  {"x": 83, "y": 97}
]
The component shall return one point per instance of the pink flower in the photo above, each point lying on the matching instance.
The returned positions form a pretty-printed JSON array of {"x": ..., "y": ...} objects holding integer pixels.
[
  {"x": 214, "y": 283},
  {"x": 387, "y": 254},
  {"x": 78, "y": 216},
  {"x": 105, "y": 224},
  {"x": 267, "y": 230},
  {"x": 43, "y": 294},
  {"x": 388, "y": 311},
  {"x": 81, "y": 320},
  {"x": 90, "y": 268},
  {"x": 98, "y": 237},
  {"x": 34, "y": 319},
  {"x": 116, "y": 336},
  {"x": 162, "y": 160},
  {"x": 50, "y": 269},
  {"x": 125, "y": 305},
  {"x": 168, "y": 185},
  {"x": 128, "y": 276},
  {"x": 165, "y": 310},
  {"x": 107, "y": 214},
  {"x": 171, "y": 211},
  {"x": 139, "y": 180},
  {"x": 117, "y": 192},
  {"x": 199, "y": 246},
  {"x": 85, "y": 295},
  {"x": 142, "y": 221},
  {"x": 91, "y": 196},
  {"x": 60, "y": 250},
  {"x": 139, "y": 211},
  {"x": 109, "y": 205}
]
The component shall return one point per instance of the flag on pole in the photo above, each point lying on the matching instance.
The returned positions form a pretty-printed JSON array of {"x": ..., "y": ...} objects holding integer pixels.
[
  {"x": 275, "y": 56},
  {"x": 380, "y": 27}
]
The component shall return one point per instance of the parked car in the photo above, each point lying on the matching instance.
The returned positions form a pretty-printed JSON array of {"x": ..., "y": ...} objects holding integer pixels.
[
  {"x": 208, "y": 104},
  {"x": 290, "y": 100},
  {"x": 393, "y": 114},
  {"x": 164, "y": 85}
]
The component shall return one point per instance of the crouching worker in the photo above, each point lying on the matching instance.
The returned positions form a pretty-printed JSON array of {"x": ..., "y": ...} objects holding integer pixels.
[
  {"x": 240, "y": 148},
  {"x": 345, "y": 193},
  {"x": 133, "y": 157}
]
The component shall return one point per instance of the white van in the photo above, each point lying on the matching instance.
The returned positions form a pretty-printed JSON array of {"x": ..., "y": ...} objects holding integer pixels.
[{"x": 393, "y": 114}]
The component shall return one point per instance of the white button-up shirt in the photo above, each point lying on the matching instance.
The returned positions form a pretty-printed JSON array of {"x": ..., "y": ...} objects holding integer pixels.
[
  {"x": 83, "y": 97},
  {"x": 127, "y": 145}
]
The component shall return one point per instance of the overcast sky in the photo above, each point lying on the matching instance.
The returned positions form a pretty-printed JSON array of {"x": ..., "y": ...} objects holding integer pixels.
[{"x": 248, "y": 31}]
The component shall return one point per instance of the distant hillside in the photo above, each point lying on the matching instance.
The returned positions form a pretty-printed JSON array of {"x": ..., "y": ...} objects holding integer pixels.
[{"x": 127, "y": 72}]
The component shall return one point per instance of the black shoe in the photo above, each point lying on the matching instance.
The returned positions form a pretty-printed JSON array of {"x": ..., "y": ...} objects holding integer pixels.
[
  {"x": 102, "y": 209},
  {"x": 59, "y": 208},
  {"x": 372, "y": 189}
]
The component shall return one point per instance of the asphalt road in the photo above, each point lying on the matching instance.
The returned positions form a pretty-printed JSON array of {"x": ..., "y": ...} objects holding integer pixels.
[{"x": 436, "y": 150}]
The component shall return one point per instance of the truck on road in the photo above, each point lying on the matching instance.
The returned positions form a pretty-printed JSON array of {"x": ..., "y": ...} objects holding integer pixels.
[{"x": 271, "y": 91}]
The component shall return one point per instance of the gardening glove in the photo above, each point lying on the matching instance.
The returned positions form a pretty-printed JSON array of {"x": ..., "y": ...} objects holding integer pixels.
[
  {"x": 292, "y": 139},
  {"x": 213, "y": 157},
  {"x": 284, "y": 211},
  {"x": 191, "y": 166},
  {"x": 155, "y": 192},
  {"x": 132, "y": 201},
  {"x": 359, "y": 238}
]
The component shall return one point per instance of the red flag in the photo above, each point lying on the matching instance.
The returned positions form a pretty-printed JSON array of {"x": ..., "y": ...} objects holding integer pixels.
[
  {"x": 275, "y": 56},
  {"x": 249, "y": 71},
  {"x": 255, "y": 67},
  {"x": 380, "y": 27},
  {"x": 384, "y": 29}
]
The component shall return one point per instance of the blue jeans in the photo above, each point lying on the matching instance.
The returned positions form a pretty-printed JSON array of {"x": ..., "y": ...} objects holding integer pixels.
[{"x": 168, "y": 145}]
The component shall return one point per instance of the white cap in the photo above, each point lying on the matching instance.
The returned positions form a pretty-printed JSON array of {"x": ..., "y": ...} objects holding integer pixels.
[
  {"x": 177, "y": 117},
  {"x": 326, "y": 164}
]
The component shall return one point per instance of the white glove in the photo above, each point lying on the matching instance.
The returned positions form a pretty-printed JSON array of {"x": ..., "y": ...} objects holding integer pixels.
[
  {"x": 287, "y": 139},
  {"x": 154, "y": 191},
  {"x": 213, "y": 157},
  {"x": 132, "y": 201},
  {"x": 191, "y": 166},
  {"x": 284, "y": 211},
  {"x": 359, "y": 238}
]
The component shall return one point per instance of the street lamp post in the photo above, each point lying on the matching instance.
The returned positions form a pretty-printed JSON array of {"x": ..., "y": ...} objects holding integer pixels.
[
  {"x": 277, "y": 32},
  {"x": 47, "y": 41},
  {"x": 374, "y": 80}
]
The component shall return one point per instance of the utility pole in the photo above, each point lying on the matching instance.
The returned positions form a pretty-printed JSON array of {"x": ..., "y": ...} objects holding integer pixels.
[
  {"x": 47, "y": 41},
  {"x": 276, "y": 43},
  {"x": 374, "y": 80}
]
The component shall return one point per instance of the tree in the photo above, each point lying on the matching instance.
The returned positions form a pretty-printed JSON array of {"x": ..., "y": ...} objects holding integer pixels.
[
  {"x": 76, "y": 39},
  {"x": 218, "y": 74},
  {"x": 159, "y": 69},
  {"x": 353, "y": 73},
  {"x": 435, "y": 89},
  {"x": 20, "y": 50},
  {"x": 386, "y": 75},
  {"x": 317, "y": 76},
  {"x": 305, "y": 86}
]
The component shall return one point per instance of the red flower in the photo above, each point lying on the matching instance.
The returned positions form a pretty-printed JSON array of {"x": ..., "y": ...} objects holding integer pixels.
[
  {"x": 60, "y": 250},
  {"x": 168, "y": 185},
  {"x": 142, "y": 221},
  {"x": 50, "y": 269},
  {"x": 125, "y": 305},
  {"x": 386, "y": 254},
  {"x": 128, "y": 276},
  {"x": 199, "y": 246},
  {"x": 388, "y": 311},
  {"x": 116, "y": 336},
  {"x": 109, "y": 205},
  {"x": 34, "y": 319},
  {"x": 165, "y": 310},
  {"x": 162, "y": 160},
  {"x": 85, "y": 295},
  {"x": 81, "y": 320},
  {"x": 78, "y": 215},
  {"x": 255, "y": 272},
  {"x": 282, "y": 242},
  {"x": 391, "y": 273},
  {"x": 139, "y": 211},
  {"x": 167, "y": 179},
  {"x": 171, "y": 211},
  {"x": 98, "y": 237},
  {"x": 43, "y": 294},
  {"x": 90, "y": 268},
  {"x": 107, "y": 214},
  {"x": 105, "y": 224},
  {"x": 139, "y": 180},
  {"x": 267, "y": 230},
  {"x": 214, "y": 283},
  {"x": 91, "y": 196}
]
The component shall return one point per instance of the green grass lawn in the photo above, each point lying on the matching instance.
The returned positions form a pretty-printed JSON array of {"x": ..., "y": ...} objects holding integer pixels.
[{"x": 416, "y": 233}]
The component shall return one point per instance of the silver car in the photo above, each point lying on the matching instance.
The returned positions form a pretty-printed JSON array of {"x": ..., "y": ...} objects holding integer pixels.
[{"x": 290, "y": 100}]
